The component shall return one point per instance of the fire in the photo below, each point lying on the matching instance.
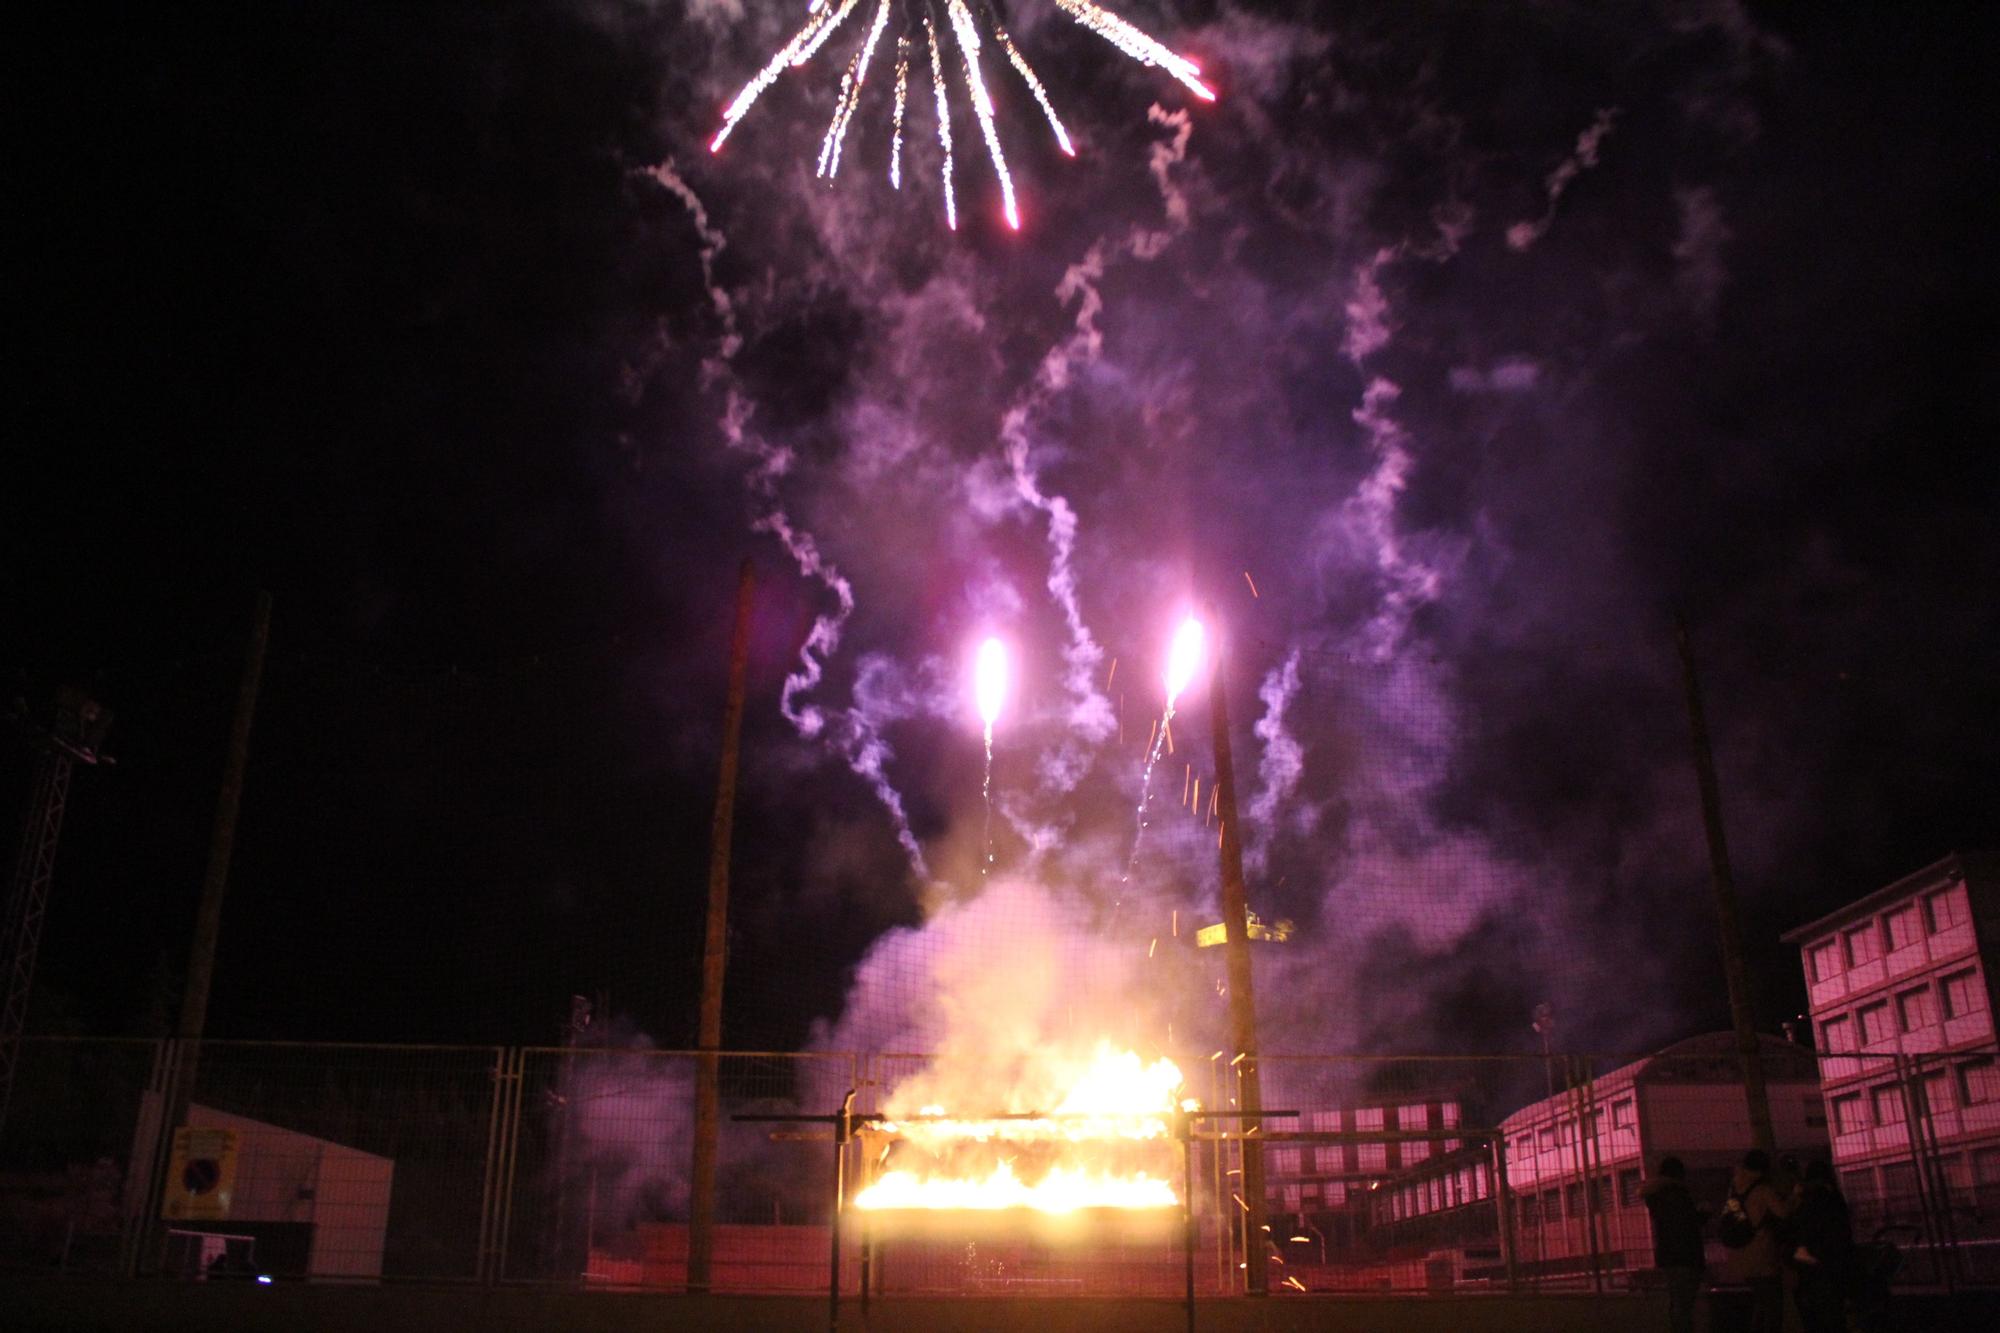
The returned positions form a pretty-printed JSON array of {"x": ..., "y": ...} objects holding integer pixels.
[{"x": 1106, "y": 1144}]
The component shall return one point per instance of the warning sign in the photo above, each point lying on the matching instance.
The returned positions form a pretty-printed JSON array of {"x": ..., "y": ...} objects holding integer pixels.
[{"x": 201, "y": 1175}]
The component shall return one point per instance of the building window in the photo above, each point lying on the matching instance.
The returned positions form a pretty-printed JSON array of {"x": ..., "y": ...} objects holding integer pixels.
[
  {"x": 1937, "y": 1091},
  {"x": 1287, "y": 1161},
  {"x": 1888, "y": 1103},
  {"x": 1946, "y": 910},
  {"x": 1863, "y": 946},
  {"x": 1547, "y": 1139},
  {"x": 1916, "y": 1009},
  {"x": 1875, "y": 1024},
  {"x": 1332, "y": 1161},
  {"x": 1848, "y": 1114},
  {"x": 1814, "y": 1111},
  {"x": 1961, "y": 994},
  {"x": 1373, "y": 1157},
  {"x": 1552, "y": 1206},
  {"x": 1573, "y": 1199},
  {"x": 1415, "y": 1151},
  {"x": 1368, "y": 1117},
  {"x": 1451, "y": 1115},
  {"x": 1836, "y": 1035},
  {"x": 1900, "y": 927},
  {"x": 1413, "y": 1117},
  {"x": 1986, "y": 1166},
  {"x": 1825, "y": 958},
  {"x": 1600, "y": 1194},
  {"x": 1628, "y": 1189},
  {"x": 1979, "y": 1081},
  {"x": 1531, "y": 1212},
  {"x": 1335, "y": 1192}
]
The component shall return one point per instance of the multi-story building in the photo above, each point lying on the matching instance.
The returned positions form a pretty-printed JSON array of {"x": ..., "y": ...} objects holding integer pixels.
[
  {"x": 1574, "y": 1161},
  {"x": 1902, "y": 993}
]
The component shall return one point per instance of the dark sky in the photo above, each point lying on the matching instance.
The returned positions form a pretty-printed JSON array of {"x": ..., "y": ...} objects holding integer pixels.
[{"x": 1482, "y": 335}]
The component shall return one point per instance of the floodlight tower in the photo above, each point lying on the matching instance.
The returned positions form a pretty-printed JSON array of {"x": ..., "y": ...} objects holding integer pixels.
[{"x": 75, "y": 734}]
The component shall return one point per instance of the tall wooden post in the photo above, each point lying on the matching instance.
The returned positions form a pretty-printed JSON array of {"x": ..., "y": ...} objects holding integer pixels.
[
  {"x": 222, "y": 839},
  {"x": 714, "y": 950},
  {"x": 1734, "y": 973},
  {"x": 1242, "y": 1000}
]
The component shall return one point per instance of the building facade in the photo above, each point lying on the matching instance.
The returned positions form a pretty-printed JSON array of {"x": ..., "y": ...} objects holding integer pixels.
[{"x": 1901, "y": 990}]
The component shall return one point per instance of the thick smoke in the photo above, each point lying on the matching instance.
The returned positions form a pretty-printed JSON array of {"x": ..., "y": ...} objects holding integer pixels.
[{"x": 1289, "y": 335}]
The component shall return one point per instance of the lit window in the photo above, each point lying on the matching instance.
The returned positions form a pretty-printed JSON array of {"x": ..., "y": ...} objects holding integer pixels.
[
  {"x": 1962, "y": 994},
  {"x": 1413, "y": 1117},
  {"x": 1373, "y": 1157},
  {"x": 1888, "y": 1103},
  {"x": 1863, "y": 946},
  {"x": 1415, "y": 1151},
  {"x": 1286, "y": 1161},
  {"x": 1837, "y": 1034},
  {"x": 1900, "y": 927},
  {"x": 1916, "y": 1009},
  {"x": 1825, "y": 960},
  {"x": 1946, "y": 909},
  {"x": 1875, "y": 1023},
  {"x": 1368, "y": 1117},
  {"x": 1623, "y": 1114},
  {"x": 1335, "y": 1192},
  {"x": 1848, "y": 1115},
  {"x": 1979, "y": 1081}
]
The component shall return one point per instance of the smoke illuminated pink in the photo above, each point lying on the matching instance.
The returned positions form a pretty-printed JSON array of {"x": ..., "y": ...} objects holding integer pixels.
[
  {"x": 989, "y": 680},
  {"x": 1184, "y": 658}
]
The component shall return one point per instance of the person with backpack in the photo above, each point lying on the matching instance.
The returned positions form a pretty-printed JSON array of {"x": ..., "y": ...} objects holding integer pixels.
[
  {"x": 1748, "y": 1229},
  {"x": 1824, "y": 1256},
  {"x": 1677, "y": 1248}
]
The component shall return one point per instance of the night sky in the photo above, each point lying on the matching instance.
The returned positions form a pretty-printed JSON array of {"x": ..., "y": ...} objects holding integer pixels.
[{"x": 1481, "y": 335}]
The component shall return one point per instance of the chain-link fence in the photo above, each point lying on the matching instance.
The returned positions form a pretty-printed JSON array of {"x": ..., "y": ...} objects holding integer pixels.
[{"x": 572, "y": 1165}]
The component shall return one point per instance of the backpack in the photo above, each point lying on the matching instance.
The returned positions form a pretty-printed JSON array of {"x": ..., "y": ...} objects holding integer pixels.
[{"x": 1734, "y": 1228}]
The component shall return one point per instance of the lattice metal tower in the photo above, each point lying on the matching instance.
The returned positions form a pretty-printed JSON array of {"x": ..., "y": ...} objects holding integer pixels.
[{"x": 74, "y": 734}]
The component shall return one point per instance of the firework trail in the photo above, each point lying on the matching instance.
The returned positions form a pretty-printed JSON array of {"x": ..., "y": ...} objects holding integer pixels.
[
  {"x": 1183, "y": 660},
  {"x": 982, "y": 103},
  {"x": 944, "y": 121},
  {"x": 990, "y": 687},
  {"x": 854, "y": 734},
  {"x": 902, "y": 96},
  {"x": 850, "y": 94},
  {"x": 1136, "y": 44},
  {"x": 1021, "y": 66}
]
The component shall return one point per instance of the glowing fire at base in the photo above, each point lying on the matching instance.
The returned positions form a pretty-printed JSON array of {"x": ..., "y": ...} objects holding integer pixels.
[{"x": 1107, "y": 1144}]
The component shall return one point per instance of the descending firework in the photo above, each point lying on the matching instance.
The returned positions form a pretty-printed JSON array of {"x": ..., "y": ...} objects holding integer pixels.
[
  {"x": 827, "y": 16},
  {"x": 944, "y": 122},
  {"x": 902, "y": 96}
]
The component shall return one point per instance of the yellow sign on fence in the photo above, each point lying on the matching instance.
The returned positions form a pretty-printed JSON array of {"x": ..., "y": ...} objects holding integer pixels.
[{"x": 201, "y": 1175}]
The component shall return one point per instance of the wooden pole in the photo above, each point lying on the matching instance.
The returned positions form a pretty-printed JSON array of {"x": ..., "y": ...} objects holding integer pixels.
[
  {"x": 222, "y": 839},
  {"x": 1242, "y": 1000},
  {"x": 715, "y": 948},
  {"x": 1734, "y": 973}
]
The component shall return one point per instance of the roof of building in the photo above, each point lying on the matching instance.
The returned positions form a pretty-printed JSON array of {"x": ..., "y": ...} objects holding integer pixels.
[
  {"x": 1705, "y": 1054},
  {"x": 1948, "y": 871}
]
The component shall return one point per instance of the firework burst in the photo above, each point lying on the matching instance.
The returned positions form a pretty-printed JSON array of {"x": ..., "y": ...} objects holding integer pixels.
[{"x": 968, "y": 25}]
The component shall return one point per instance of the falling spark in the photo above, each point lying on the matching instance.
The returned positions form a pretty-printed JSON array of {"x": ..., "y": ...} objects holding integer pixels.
[
  {"x": 850, "y": 94},
  {"x": 982, "y": 103},
  {"x": 1137, "y": 45},
  {"x": 990, "y": 691},
  {"x": 1020, "y": 63},
  {"x": 1186, "y": 778},
  {"x": 944, "y": 122},
  {"x": 1183, "y": 660},
  {"x": 902, "y": 96},
  {"x": 793, "y": 53},
  {"x": 1112, "y": 674},
  {"x": 1252, "y": 582},
  {"x": 1197, "y": 794},
  {"x": 1154, "y": 945}
]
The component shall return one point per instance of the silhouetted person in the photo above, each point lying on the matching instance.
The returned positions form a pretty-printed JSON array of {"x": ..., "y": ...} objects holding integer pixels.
[
  {"x": 1754, "y": 1211},
  {"x": 1824, "y": 1254},
  {"x": 1677, "y": 1251}
]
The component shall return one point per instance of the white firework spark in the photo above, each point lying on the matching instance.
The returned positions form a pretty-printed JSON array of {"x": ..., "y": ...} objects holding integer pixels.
[{"x": 964, "y": 22}]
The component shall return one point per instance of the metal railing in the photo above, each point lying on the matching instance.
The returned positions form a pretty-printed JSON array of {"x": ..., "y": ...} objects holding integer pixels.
[{"x": 570, "y": 1165}]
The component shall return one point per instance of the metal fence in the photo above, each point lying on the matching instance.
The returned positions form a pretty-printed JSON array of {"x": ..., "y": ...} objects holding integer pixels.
[{"x": 571, "y": 1165}]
